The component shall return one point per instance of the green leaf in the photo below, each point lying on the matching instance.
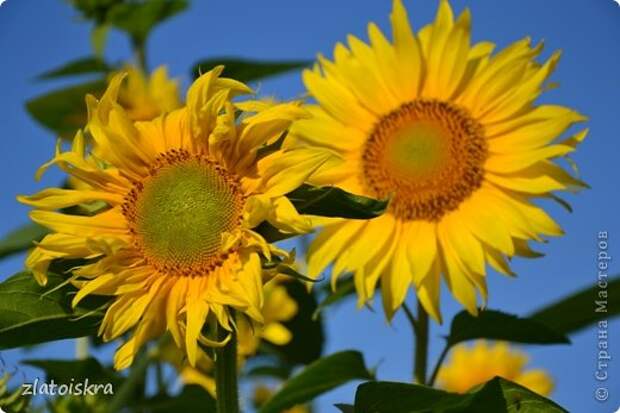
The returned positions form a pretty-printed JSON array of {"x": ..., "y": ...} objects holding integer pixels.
[
  {"x": 308, "y": 336},
  {"x": 31, "y": 314},
  {"x": 138, "y": 18},
  {"x": 81, "y": 66},
  {"x": 21, "y": 239},
  {"x": 279, "y": 372},
  {"x": 64, "y": 371},
  {"x": 320, "y": 377},
  {"x": 496, "y": 325},
  {"x": 497, "y": 395},
  {"x": 345, "y": 408},
  {"x": 334, "y": 202},
  {"x": 64, "y": 111},
  {"x": 247, "y": 70},
  {"x": 581, "y": 309}
]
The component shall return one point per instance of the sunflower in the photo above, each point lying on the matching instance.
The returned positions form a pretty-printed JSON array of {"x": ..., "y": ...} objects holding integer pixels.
[
  {"x": 448, "y": 131},
  {"x": 145, "y": 97},
  {"x": 471, "y": 366},
  {"x": 174, "y": 244}
]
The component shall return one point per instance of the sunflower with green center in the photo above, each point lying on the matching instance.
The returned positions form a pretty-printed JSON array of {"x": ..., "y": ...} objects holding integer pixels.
[
  {"x": 174, "y": 244},
  {"x": 471, "y": 366},
  {"x": 447, "y": 130}
]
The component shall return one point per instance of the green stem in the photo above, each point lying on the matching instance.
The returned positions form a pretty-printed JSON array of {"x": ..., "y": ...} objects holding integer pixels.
[
  {"x": 421, "y": 345},
  {"x": 226, "y": 386},
  {"x": 440, "y": 360},
  {"x": 139, "y": 50},
  {"x": 81, "y": 348}
]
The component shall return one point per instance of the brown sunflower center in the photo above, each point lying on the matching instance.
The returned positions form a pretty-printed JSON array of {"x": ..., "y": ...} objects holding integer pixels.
[
  {"x": 179, "y": 213},
  {"x": 428, "y": 155}
]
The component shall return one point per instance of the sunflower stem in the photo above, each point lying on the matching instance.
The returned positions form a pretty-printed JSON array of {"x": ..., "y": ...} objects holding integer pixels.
[
  {"x": 440, "y": 360},
  {"x": 139, "y": 50},
  {"x": 226, "y": 386},
  {"x": 421, "y": 345}
]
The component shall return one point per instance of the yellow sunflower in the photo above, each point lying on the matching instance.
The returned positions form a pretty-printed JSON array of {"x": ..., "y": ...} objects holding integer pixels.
[
  {"x": 449, "y": 131},
  {"x": 174, "y": 245},
  {"x": 145, "y": 97},
  {"x": 471, "y": 366}
]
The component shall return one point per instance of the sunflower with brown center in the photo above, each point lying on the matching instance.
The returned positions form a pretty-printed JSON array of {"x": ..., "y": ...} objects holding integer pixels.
[
  {"x": 449, "y": 132},
  {"x": 174, "y": 244}
]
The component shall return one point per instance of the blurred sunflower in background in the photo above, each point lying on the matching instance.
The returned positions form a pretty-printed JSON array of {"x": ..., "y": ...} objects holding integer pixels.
[
  {"x": 146, "y": 96},
  {"x": 448, "y": 131},
  {"x": 471, "y": 366},
  {"x": 174, "y": 243}
]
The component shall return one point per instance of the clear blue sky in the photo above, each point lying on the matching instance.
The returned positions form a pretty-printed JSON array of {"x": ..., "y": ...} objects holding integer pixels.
[{"x": 38, "y": 35}]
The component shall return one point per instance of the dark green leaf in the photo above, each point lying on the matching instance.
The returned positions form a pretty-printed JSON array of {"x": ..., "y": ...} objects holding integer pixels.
[
  {"x": 138, "y": 18},
  {"x": 496, "y": 325},
  {"x": 191, "y": 399},
  {"x": 308, "y": 336},
  {"x": 320, "y": 377},
  {"x": 583, "y": 308},
  {"x": 21, "y": 239},
  {"x": 276, "y": 264},
  {"x": 31, "y": 314},
  {"x": 345, "y": 408},
  {"x": 246, "y": 70},
  {"x": 271, "y": 233},
  {"x": 334, "y": 202},
  {"x": 344, "y": 289},
  {"x": 81, "y": 66},
  {"x": 496, "y": 396},
  {"x": 64, "y": 371},
  {"x": 64, "y": 111}
]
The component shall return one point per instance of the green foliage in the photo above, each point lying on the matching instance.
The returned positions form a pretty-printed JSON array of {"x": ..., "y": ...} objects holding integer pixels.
[
  {"x": 21, "y": 239},
  {"x": 191, "y": 399},
  {"x": 497, "y": 395},
  {"x": 63, "y": 371},
  {"x": 308, "y": 338},
  {"x": 64, "y": 111},
  {"x": 496, "y": 325},
  {"x": 335, "y": 202},
  {"x": 12, "y": 399},
  {"x": 579, "y": 310},
  {"x": 320, "y": 377},
  {"x": 31, "y": 314},
  {"x": 85, "y": 65},
  {"x": 246, "y": 70}
]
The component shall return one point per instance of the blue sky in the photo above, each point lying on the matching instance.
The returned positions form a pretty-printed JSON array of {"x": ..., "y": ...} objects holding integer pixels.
[{"x": 38, "y": 35}]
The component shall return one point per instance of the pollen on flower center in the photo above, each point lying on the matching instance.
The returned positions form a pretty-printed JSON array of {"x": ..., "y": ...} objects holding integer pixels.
[
  {"x": 179, "y": 213},
  {"x": 428, "y": 155}
]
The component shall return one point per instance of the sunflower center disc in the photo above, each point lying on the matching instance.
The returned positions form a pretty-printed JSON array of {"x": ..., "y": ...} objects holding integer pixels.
[
  {"x": 179, "y": 213},
  {"x": 428, "y": 155}
]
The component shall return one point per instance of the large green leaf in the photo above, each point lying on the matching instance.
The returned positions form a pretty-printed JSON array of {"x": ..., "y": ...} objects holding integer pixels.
[
  {"x": 85, "y": 65},
  {"x": 496, "y": 396},
  {"x": 496, "y": 325},
  {"x": 31, "y": 314},
  {"x": 330, "y": 201},
  {"x": 320, "y": 377},
  {"x": 246, "y": 70},
  {"x": 582, "y": 308},
  {"x": 64, "y": 111},
  {"x": 21, "y": 239}
]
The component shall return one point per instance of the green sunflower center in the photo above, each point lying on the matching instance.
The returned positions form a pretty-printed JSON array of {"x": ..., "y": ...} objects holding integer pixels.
[
  {"x": 180, "y": 212},
  {"x": 428, "y": 155}
]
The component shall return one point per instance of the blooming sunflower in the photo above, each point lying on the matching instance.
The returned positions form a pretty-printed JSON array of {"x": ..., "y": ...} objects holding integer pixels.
[
  {"x": 174, "y": 245},
  {"x": 145, "y": 97},
  {"x": 448, "y": 131},
  {"x": 471, "y": 366}
]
